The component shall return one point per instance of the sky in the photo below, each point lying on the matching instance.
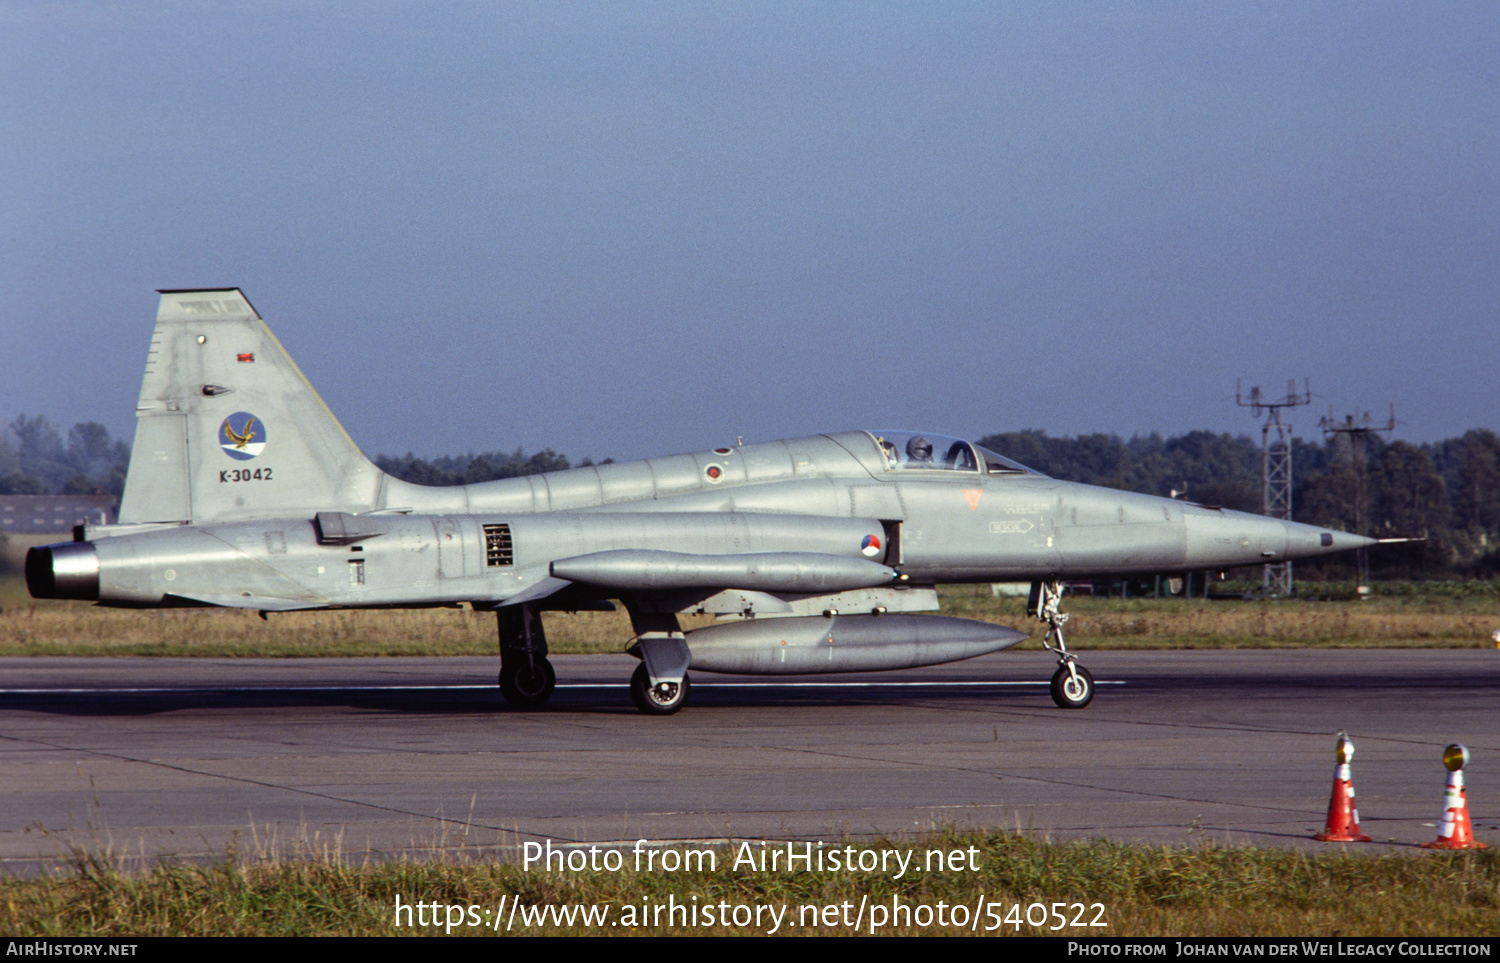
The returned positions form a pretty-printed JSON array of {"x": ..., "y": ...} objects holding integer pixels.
[{"x": 631, "y": 229}]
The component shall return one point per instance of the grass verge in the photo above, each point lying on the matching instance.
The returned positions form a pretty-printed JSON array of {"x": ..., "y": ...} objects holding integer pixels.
[
  {"x": 1434, "y": 618},
  {"x": 1144, "y": 891}
]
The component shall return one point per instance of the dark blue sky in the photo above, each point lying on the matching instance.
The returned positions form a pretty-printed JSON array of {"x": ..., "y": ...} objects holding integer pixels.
[{"x": 632, "y": 229}]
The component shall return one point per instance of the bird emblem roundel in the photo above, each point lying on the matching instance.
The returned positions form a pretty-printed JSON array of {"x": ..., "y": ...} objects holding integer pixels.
[{"x": 242, "y": 436}]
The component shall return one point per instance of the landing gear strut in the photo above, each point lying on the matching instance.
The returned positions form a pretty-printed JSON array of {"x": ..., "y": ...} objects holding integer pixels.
[
  {"x": 1072, "y": 685},
  {"x": 660, "y": 684},
  {"x": 526, "y": 677}
]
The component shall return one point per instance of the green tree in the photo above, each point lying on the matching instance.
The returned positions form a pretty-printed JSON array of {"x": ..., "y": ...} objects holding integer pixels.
[
  {"x": 1476, "y": 501},
  {"x": 1409, "y": 498}
]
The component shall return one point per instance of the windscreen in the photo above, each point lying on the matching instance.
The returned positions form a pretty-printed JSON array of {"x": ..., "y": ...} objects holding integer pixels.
[{"x": 926, "y": 451}]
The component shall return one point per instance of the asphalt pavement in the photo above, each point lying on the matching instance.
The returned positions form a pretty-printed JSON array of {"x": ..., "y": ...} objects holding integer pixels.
[{"x": 131, "y": 758}]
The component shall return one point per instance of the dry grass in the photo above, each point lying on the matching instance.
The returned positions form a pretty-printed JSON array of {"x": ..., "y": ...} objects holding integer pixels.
[
  {"x": 74, "y": 628},
  {"x": 82, "y": 629},
  {"x": 1432, "y": 622}
]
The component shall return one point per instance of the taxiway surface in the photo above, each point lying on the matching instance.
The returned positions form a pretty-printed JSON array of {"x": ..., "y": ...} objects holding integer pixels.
[{"x": 194, "y": 757}]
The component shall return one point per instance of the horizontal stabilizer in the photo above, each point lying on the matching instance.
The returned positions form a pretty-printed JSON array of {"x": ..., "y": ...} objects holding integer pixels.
[{"x": 644, "y": 569}]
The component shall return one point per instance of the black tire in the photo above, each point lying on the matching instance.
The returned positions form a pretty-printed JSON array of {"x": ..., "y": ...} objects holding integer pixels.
[
  {"x": 524, "y": 687},
  {"x": 1069, "y": 694},
  {"x": 652, "y": 701}
]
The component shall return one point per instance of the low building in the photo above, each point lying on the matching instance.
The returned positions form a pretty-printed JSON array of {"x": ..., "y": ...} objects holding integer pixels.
[{"x": 55, "y": 514}]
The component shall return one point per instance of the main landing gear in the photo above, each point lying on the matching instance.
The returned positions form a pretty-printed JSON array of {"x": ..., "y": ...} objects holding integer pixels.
[
  {"x": 527, "y": 686},
  {"x": 1072, "y": 685},
  {"x": 661, "y": 699},
  {"x": 660, "y": 684},
  {"x": 526, "y": 677}
]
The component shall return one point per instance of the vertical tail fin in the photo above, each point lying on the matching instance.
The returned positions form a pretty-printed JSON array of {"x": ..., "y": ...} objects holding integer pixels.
[{"x": 229, "y": 427}]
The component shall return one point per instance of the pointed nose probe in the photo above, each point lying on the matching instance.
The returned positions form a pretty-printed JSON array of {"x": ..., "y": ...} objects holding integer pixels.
[{"x": 1310, "y": 541}]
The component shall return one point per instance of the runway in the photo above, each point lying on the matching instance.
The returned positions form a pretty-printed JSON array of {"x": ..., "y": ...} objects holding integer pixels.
[{"x": 135, "y": 757}]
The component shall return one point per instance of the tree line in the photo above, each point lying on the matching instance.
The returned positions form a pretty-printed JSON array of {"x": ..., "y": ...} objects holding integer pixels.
[
  {"x": 1446, "y": 493},
  {"x": 471, "y": 468},
  {"x": 35, "y": 459}
]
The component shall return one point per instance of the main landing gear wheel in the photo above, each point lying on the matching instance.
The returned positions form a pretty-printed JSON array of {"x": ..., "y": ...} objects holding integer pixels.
[
  {"x": 662, "y": 699},
  {"x": 526, "y": 685},
  {"x": 1072, "y": 691}
]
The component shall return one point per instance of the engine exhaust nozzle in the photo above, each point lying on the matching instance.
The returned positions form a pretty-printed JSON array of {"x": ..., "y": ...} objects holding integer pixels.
[{"x": 67, "y": 570}]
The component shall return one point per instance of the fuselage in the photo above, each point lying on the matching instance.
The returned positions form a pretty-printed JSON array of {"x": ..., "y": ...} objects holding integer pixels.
[{"x": 966, "y": 519}]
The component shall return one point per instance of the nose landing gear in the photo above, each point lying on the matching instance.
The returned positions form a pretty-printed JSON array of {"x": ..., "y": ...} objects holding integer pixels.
[{"x": 1072, "y": 685}]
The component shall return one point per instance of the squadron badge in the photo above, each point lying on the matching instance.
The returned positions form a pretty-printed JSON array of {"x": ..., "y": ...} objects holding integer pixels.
[{"x": 242, "y": 436}]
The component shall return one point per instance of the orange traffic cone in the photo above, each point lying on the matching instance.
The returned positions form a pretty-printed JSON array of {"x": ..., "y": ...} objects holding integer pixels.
[
  {"x": 1343, "y": 815},
  {"x": 1454, "y": 831}
]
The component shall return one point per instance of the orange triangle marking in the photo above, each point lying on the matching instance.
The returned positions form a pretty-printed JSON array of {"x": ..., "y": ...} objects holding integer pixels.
[{"x": 971, "y": 495}]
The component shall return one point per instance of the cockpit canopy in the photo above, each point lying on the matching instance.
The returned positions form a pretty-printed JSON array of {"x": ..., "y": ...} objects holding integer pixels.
[{"x": 925, "y": 451}]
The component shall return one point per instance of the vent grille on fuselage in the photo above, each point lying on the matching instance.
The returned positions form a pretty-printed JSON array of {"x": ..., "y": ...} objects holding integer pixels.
[{"x": 497, "y": 550}]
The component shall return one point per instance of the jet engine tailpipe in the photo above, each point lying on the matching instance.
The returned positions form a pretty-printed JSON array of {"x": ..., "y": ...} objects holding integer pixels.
[{"x": 66, "y": 570}]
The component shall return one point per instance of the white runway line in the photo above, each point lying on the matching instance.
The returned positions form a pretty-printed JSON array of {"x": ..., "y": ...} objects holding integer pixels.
[
  {"x": 853, "y": 685},
  {"x": 147, "y": 690}
]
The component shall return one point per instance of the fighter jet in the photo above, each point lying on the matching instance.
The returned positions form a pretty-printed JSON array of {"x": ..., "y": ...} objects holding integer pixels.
[{"x": 815, "y": 553}]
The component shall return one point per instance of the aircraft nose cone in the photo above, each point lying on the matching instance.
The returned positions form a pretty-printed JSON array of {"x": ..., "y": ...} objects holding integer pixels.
[{"x": 1308, "y": 541}]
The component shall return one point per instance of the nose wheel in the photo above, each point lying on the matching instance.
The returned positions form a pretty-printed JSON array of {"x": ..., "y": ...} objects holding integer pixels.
[{"x": 1072, "y": 686}]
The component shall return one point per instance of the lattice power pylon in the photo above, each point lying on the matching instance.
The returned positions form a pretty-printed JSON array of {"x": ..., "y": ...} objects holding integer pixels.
[{"x": 1275, "y": 470}]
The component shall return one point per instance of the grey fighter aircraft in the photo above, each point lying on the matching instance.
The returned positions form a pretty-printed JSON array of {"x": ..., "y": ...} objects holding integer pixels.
[{"x": 244, "y": 491}]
